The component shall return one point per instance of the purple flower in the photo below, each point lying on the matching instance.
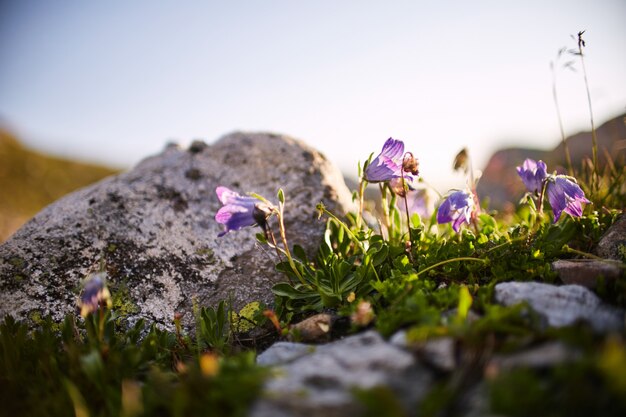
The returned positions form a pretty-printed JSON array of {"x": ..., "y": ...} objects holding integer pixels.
[
  {"x": 388, "y": 164},
  {"x": 533, "y": 174},
  {"x": 95, "y": 294},
  {"x": 457, "y": 208},
  {"x": 565, "y": 196},
  {"x": 240, "y": 211},
  {"x": 418, "y": 201}
]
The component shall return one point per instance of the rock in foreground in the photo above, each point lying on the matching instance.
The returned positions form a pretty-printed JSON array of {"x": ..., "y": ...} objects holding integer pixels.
[
  {"x": 153, "y": 230},
  {"x": 562, "y": 305},
  {"x": 320, "y": 381}
]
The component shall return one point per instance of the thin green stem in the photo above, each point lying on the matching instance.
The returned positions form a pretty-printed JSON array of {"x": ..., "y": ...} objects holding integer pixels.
[
  {"x": 447, "y": 261},
  {"x": 619, "y": 264},
  {"x": 352, "y": 236},
  {"x": 359, "y": 218},
  {"x": 506, "y": 243},
  {"x": 385, "y": 207},
  {"x": 345, "y": 228}
]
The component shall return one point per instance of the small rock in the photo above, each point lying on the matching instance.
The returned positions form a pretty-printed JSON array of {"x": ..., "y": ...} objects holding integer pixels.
[
  {"x": 319, "y": 383},
  {"x": 312, "y": 329},
  {"x": 586, "y": 272},
  {"x": 562, "y": 305},
  {"x": 547, "y": 355},
  {"x": 438, "y": 352},
  {"x": 612, "y": 245},
  {"x": 282, "y": 353}
]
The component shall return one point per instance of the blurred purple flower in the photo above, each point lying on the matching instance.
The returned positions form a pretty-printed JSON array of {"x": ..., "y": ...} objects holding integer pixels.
[
  {"x": 419, "y": 201},
  {"x": 533, "y": 174},
  {"x": 388, "y": 164},
  {"x": 457, "y": 208},
  {"x": 565, "y": 196},
  {"x": 95, "y": 295},
  {"x": 239, "y": 211}
]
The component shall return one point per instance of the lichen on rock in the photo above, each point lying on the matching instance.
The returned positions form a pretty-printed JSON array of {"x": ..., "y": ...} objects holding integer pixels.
[{"x": 152, "y": 229}]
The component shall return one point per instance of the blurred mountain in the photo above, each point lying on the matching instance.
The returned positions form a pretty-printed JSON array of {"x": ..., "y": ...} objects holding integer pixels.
[
  {"x": 30, "y": 180},
  {"x": 501, "y": 185}
]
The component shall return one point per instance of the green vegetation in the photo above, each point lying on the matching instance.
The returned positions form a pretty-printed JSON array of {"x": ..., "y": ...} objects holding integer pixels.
[
  {"x": 91, "y": 368},
  {"x": 30, "y": 180},
  {"x": 403, "y": 271}
]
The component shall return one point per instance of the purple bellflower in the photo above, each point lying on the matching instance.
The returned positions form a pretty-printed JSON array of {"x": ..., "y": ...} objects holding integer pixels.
[
  {"x": 533, "y": 175},
  {"x": 95, "y": 295},
  {"x": 240, "y": 211},
  {"x": 457, "y": 208},
  {"x": 390, "y": 163},
  {"x": 565, "y": 196}
]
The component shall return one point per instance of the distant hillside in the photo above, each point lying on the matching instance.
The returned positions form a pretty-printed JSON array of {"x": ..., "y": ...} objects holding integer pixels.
[
  {"x": 30, "y": 180},
  {"x": 501, "y": 184}
]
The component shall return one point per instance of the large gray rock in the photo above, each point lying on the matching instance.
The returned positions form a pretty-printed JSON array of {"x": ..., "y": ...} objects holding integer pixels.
[
  {"x": 318, "y": 381},
  {"x": 154, "y": 231},
  {"x": 562, "y": 305}
]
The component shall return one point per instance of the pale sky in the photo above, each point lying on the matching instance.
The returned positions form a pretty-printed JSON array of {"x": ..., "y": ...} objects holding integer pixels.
[{"x": 114, "y": 81}]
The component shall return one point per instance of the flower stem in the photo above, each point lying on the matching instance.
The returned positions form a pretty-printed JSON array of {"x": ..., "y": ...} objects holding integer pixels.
[
  {"x": 408, "y": 218},
  {"x": 544, "y": 186},
  {"x": 278, "y": 250},
  {"x": 594, "y": 139},
  {"x": 283, "y": 236},
  {"x": 359, "y": 217},
  {"x": 555, "y": 97},
  {"x": 619, "y": 264},
  {"x": 352, "y": 236},
  {"x": 344, "y": 227},
  {"x": 385, "y": 207}
]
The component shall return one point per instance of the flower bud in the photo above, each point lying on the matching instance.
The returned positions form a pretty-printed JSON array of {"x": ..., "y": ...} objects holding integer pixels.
[{"x": 410, "y": 164}]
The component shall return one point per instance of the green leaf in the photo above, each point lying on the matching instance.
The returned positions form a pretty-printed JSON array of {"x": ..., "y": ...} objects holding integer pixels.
[
  {"x": 465, "y": 302},
  {"x": 281, "y": 195},
  {"x": 284, "y": 289},
  {"x": 299, "y": 253}
]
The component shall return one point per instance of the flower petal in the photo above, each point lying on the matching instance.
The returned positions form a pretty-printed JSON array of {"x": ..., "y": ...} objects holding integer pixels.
[
  {"x": 533, "y": 174},
  {"x": 388, "y": 164}
]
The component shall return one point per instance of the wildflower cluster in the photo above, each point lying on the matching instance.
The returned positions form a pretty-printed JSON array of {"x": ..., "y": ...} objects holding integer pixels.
[
  {"x": 564, "y": 193},
  {"x": 347, "y": 271}
]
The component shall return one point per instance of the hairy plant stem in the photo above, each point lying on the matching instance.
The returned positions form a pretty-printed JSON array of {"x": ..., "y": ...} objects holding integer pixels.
[
  {"x": 594, "y": 139},
  {"x": 408, "y": 218},
  {"x": 278, "y": 250},
  {"x": 283, "y": 236},
  {"x": 557, "y": 106}
]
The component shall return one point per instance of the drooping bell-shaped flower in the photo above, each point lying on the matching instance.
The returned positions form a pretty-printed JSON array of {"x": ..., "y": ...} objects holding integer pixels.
[
  {"x": 533, "y": 174},
  {"x": 456, "y": 208},
  {"x": 95, "y": 295},
  {"x": 240, "y": 211},
  {"x": 389, "y": 163},
  {"x": 565, "y": 195}
]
